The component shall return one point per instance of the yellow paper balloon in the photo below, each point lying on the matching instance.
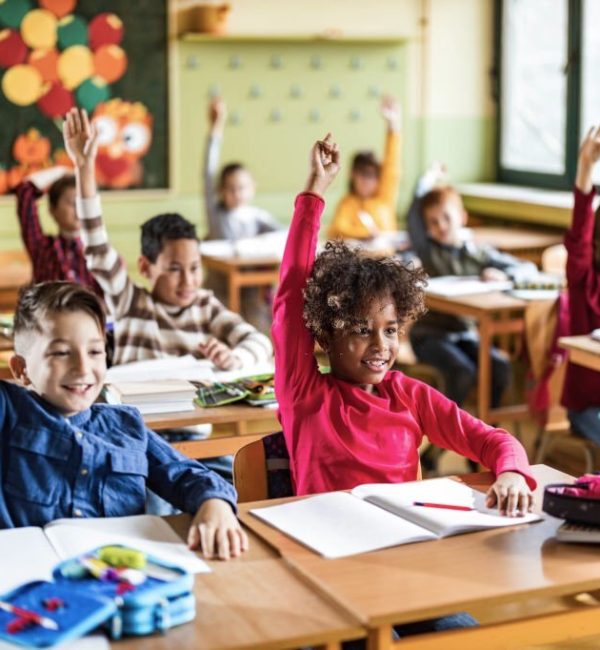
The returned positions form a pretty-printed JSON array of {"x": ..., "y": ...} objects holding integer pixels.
[
  {"x": 22, "y": 85},
  {"x": 75, "y": 65},
  {"x": 38, "y": 29}
]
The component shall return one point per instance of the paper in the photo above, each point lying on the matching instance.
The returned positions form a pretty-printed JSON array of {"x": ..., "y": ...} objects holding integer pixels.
[
  {"x": 148, "y": 533},
  {"x": 186, "y": 367},
  {"x": 459, "y": 285},
  {"x": 270, "y": 244},
  {"x": 25, "y": 555},
  {"x": 338, "y": 524}
]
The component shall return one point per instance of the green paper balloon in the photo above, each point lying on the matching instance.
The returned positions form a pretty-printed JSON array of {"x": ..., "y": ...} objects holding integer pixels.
[
  {"x": 72, "y": 30},
  {"x": 91, "y": 92},
  {"x": 13, "y": 11}
]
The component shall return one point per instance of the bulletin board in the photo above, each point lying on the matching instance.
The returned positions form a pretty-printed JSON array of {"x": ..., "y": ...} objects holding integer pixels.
[
  {"x": 108, "y": 56},
  {"x": 284, "y": 94}
]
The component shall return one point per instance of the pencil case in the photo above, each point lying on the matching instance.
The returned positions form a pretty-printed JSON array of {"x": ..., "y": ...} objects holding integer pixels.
[
  {"x": 86, "y": 593},
  {"x": 577, "y": 503}
]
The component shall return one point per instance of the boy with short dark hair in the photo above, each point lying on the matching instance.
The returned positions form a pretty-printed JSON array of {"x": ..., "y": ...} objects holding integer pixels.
[
  {"x": 53, "y": 257},
  {"x": 176, "y": 316},
  {"x": 65, "y": 456}
]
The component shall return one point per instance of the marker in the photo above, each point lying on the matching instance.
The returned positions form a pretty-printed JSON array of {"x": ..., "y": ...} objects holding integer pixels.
[
  {"x": 446, "y": 506},
  {"x": 28, "y": 615}
]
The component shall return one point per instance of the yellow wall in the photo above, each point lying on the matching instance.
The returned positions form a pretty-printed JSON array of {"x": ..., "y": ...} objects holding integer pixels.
[{"x": 447, "y": 111}]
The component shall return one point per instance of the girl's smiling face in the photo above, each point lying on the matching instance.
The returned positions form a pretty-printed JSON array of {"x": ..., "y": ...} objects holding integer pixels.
[{"x": 364, "y": 353}]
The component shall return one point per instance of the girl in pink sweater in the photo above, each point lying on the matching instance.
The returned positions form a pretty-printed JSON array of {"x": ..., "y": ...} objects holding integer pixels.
[{"x": 363, "y": 423}]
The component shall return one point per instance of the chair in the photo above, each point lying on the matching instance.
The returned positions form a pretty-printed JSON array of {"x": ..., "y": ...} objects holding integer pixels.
[
  {"x": 15, "y": 271},
  {"x": 261, "y": 470}
]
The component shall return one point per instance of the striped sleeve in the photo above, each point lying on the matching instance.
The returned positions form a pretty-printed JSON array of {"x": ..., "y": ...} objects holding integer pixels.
[
  {"x": 103, "y": 261},
  {"x": 246, "y": 342}
]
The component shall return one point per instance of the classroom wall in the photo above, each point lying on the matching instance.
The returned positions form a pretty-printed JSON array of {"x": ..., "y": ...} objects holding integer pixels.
[{"x": 447, "y": 112}]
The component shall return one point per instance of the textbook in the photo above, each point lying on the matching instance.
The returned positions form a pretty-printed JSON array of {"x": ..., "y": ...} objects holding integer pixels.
[
  {"x": 31, "y": 553},
  {"x": 376, "y": 516},
  {"x": 463, "y": 285},
  {"x": 167, "y": 396}
]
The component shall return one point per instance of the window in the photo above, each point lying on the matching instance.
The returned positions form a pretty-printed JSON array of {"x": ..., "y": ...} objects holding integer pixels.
[{"x": 548, "y": 58}]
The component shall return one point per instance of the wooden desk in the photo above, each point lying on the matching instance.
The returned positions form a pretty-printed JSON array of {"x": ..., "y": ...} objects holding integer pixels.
[
  {"x": 246, "y": 424},
  {"x": 16, "y": 271},
  {"x": 256, "y": 601},
  {"x": 520, "y": 566},
  {"x": 496, "y": 313},
  {"x": 244, "y": 272},
  {"x": 527, "y": 243},
  {"x": 583, "y": 350}
]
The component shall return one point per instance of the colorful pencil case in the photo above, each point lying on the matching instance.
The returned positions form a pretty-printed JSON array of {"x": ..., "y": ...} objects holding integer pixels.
[
  {"x": 88, "y": 592},
  {"x": 257, "y": 390}
]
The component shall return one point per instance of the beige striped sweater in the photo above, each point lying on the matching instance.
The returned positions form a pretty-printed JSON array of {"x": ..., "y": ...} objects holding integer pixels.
[{"x": 147, "y": 329}]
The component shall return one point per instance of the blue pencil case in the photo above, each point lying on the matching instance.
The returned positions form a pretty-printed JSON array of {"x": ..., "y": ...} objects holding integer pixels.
[{"x": 84, "y": 596}]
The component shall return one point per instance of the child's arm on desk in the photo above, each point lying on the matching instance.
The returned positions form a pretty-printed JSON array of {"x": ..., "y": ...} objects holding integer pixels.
[
  {"x": 579, "y": 239},
  {"x": 106, "y": 265},
  {"x": 293, "y": 343}
]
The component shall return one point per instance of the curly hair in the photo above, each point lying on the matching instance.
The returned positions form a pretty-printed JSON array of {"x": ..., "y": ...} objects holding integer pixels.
[{"x": 345, "y": 280}]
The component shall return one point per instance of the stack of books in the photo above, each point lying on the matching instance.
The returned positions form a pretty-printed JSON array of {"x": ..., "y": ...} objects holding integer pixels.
[{"x": 152, "y": 397}]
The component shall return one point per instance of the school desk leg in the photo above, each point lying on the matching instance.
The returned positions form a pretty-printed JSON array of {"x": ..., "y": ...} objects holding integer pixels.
[
  {"x": 484, "y": 371},
  {"x": 235, "y": 290},
  {"x": 332, "y": 645},
  {"x": 380, "y": 638}
]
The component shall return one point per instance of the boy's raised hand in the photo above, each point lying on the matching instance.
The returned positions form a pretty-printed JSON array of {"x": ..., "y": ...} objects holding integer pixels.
[
  {"x": 216, "y": 531},
  {"x": 81, "y": 137},
  {"x": 324, "y": 165},
  {"x": 217, "y": 114},
  {"x": 511, "y": 494},
  {"x": 589, "y": 154}
]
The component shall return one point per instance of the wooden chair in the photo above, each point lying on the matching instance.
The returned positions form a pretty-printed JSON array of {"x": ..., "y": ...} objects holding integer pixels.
[
  {"x": 261, "y": 470},
  {"x": 15, "y": 271}
]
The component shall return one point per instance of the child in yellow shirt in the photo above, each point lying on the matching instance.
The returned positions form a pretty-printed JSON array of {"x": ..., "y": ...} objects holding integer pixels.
[{"x": 370, "y": 206}]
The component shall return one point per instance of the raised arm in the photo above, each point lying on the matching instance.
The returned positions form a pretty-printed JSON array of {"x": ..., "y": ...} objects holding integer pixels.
[
  {"x": 217, "y": 114},
  {"x": 390, "y": 166},
  {"x": 579, "y": 239},
  {"x": 293, "y": 343},
  {"x": 105, "y": 264}
]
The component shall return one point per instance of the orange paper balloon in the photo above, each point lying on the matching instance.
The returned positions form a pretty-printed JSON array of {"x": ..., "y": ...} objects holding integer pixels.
[
  {"x": 110, "y": 62},
  {"x": 59, "y": 8},
  {"x": 46, "y": 62}
]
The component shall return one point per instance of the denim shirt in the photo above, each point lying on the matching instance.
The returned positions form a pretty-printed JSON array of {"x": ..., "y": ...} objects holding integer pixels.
[{"x": 96, "y": 463}]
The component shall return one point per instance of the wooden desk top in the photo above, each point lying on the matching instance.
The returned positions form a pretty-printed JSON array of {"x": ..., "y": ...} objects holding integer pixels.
[
  {"x": 254, "y": 601},
  {"x": 416, "y": 581},
  {"x": 240, "y": 262},
  {"x": 475, "y": 305},
  {"x": 583, "y": 350},
  {"x": 515, "y": 239},
  {"x": 217, "y": 415}
]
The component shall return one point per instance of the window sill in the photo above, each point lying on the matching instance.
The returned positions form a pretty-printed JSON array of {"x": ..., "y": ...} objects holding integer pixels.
[{"x": 516, "y": 203}]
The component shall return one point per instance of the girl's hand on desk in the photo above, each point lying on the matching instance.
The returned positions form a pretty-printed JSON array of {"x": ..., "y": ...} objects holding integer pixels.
[
  {"x": 217, "y": 532},
  {"x": 511, "y": 493},
  {"x": 219, "y": 354}
]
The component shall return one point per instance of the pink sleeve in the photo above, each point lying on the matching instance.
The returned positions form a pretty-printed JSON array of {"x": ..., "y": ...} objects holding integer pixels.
[
  {"x": 579, "y": 239},
  {"x": 295, "y": 363},
  {"x": 448, "y": 426}
]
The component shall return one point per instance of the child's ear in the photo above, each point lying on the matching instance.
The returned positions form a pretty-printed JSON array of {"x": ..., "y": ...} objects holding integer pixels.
[
  {"x": 143, "y": 265},
  {"x": 18, "y": 368}
]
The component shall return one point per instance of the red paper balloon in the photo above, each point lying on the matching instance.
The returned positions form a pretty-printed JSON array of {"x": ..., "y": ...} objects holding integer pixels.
[
  {"x": 12, "y": 48},
  {"x": 56, "y": 102},
  {"x": 105, "y": 29}
]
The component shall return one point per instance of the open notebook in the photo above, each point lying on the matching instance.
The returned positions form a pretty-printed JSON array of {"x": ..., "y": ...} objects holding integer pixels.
[
  {"x": 448, "y": 286},
  {"x": 376, "y": 516},
  {"x": 32, "y": 553}
]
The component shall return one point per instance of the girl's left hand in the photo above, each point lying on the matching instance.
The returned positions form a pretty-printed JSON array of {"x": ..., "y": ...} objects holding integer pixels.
[{"x": 511, "y": 493}]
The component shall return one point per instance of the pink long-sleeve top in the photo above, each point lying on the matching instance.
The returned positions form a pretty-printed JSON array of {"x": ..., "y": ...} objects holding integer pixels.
[
  {"x": 338, "y": 435},
  {"x": 582, "y": 385}
]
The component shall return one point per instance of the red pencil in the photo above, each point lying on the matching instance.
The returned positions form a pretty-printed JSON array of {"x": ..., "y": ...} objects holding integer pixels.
[
  {"x": 29, "y": 615},
  {"x": 446, "y": 506}
]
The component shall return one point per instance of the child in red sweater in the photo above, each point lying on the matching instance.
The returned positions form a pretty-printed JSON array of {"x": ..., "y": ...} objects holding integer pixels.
[
  {"x": 363, "y": 423},
  {"x": 581, "y": 393}
]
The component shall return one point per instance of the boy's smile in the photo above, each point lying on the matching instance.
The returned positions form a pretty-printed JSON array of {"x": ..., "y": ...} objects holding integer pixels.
[
  {"x": 66, "y": 362},
  {"x": 363, "y": 355}
]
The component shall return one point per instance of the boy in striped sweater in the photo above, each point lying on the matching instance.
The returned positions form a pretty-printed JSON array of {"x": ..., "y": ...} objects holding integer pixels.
[{"x": 176, "y": 316}]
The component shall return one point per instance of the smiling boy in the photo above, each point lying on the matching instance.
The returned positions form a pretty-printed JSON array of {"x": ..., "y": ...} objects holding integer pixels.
[{"x": 65, "y": 456}]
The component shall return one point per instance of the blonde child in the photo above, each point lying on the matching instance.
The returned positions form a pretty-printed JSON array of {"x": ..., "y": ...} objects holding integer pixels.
[
  {"x": 370, "y": 206},
  {"x": 364, "y": 423},
  {"x": 65, "y": 456}
]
